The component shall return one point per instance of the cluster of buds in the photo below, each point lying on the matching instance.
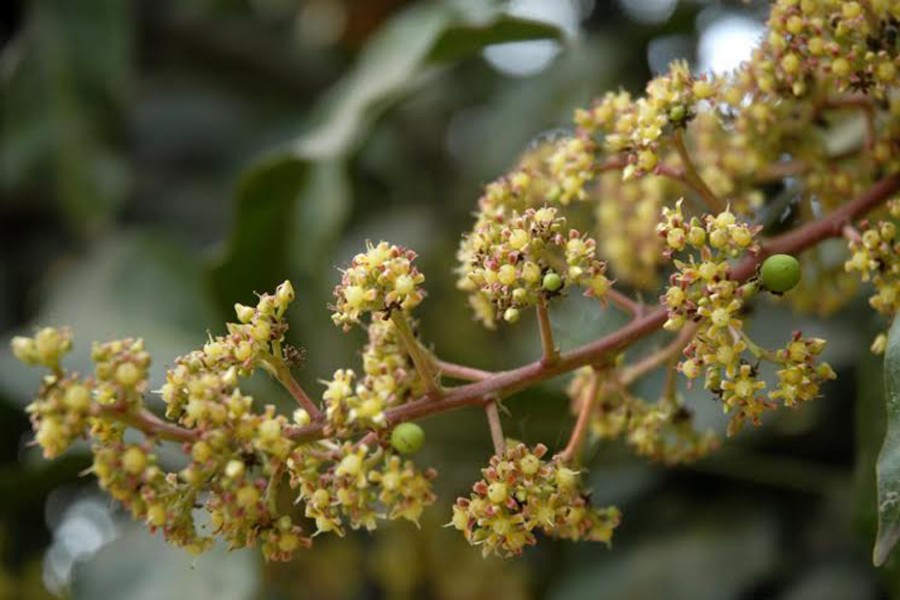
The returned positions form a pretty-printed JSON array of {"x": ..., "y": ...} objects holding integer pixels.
[
  {"x": 571, "y": 167},
  {"x": 800, "y": 376},
  {"x": 636, "y": 127},
  {"x": 60, "y": 414},
  {"x": 522, "y": 493},
  {"x": 627, "y": 215},
  {"x": 239, "y": 459},
  {"x": 359, "y": 485},
  {"x": 196, "y": 387},
  {"x": 47, "y": 348},
  {"x": 390, "y": 379},
  {"x": 850, "y": 45},
  {"x": 702, "y": 293},
  {"x": 518, "y": 262},
  {"x": 875, "y": 255},
  {"x": 381, "y": 280},
  {"x": 661, "y": 431}
]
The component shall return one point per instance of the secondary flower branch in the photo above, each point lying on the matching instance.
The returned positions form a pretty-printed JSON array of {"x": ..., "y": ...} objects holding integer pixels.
[{"x": 508, "y": 382}]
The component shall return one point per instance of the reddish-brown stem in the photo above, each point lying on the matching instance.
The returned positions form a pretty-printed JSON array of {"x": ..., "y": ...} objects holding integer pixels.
[
  {"x": 827, "y": 227},
  {"x": 493, "y": 419},
  {"x": 369, "y": 439},
  {"x": 286, "y": 378},
  {"x": 584, "y": 418},
  {"x": 614, "y": 163},
  {"x": 782, "y": 169},
  {"x": 150, "y": 425},
  {"x": 455, "y": 371},
  {"x": 692, "y": 177},
  {"x": 851, "y": 233},
  {"x": 421, "y": 359},
  {"x": 508, "y": 382},
  {"x": 660, "y": 357},
  {"x": 625, "y": 303},
  {"x": 550, "y": 352}
]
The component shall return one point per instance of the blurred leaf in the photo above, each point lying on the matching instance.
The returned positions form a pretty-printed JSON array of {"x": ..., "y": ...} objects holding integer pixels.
[
  {"x": 67, "y": 76},
  {"x": 725, "y": 556},
  {"x": 888, "y": 467},
  {"x": 256, "y": 254},
  {"x": 310, "y": 172},
  {"x": 424, "y": 35},
  {"x": 140, "y": 566},
  {"x": 140, "y": 286}
]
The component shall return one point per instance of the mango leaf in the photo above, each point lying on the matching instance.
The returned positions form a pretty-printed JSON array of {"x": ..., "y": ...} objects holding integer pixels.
[
  {"x": 888, "y": 466},
  {"x": 69, "y": 77},
  {"x": 293, "y": 202}
]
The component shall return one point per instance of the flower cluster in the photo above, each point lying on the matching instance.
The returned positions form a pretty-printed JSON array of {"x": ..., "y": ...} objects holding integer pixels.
[
  {"x": 389, "y": 379},
  {"x": 626, "y": 216},
  {"x": 661, "y": 431},
  {"x": 636, "y": 127},
  {"x": 60, "y": 414},
  {"x": 571, "y": 168},
  {"x": 381, "y": 280},
  {"x": 360, "y": 486},
  {"x": 702, "y": 293},
  {"x": 238, "y": 458},
  {"x": 196, "y": 387},
  {"x": 516, "y": 262},
  {"x": 876, "y": 256},
  {"x": 849, "y": 45},
  {"x": 521, "y": 493},
  {"x": 727, "y": 141}
]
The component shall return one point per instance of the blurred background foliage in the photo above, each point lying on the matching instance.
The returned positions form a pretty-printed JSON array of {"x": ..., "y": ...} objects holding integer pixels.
[{"x": 161, "y": 160}]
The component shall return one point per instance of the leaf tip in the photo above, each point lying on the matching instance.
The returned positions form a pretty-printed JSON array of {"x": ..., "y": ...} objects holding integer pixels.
[{"x": 884, "y": 544}]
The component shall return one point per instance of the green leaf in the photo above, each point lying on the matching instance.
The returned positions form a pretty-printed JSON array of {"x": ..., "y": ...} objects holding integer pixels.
[
  {"x": 888, "y": 466},
  {"x": 292, "y": 204},
  {"x": 425, "y": 35},
  {"x": 63, "y": 98}
]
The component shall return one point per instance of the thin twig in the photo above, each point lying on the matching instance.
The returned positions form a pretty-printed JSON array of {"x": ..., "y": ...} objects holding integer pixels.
[
  {"x": 660, "y": 357},
  {"x": 151, "y": 425},
  {"x": 493, "y": 418},
  {"x": 286, "y": 378},
  {"x": 584, "y": 419},
  {"x": 692, "y": 177},
  {"x": 625, "y": 303},
  {"x": 420, "y": 358},
  {"x": 550, "y": 352},
  {"x": 462, "y": 372},
  {"x": 851, "y": 233}
]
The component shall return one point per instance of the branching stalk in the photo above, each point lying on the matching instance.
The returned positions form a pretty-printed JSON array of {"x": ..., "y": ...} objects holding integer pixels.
[
  {"x": 584, "y": 418},
  {"x": 493, "y": 418},
  {"x": 422, "y": 361},
  {"x": 508, "y": 382},
  {"x": 550, "y": 352},
  {"x": 692, "y": 177}
]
